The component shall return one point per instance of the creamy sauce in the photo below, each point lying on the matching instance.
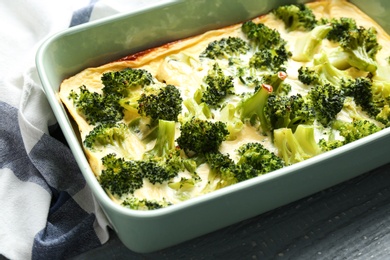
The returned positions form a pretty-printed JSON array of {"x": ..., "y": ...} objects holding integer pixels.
[{"x": 182, "y": 67}]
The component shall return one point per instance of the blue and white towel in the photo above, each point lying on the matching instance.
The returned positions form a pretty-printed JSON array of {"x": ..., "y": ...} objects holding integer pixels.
[{"x": 46, "y": 209}]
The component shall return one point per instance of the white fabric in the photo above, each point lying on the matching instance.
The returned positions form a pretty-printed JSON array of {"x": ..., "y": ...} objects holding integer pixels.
[{"x": 47, "y": 211}]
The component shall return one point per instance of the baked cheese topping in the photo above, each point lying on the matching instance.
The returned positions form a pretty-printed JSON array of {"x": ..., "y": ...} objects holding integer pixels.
[{"x": 183, "y": 65}]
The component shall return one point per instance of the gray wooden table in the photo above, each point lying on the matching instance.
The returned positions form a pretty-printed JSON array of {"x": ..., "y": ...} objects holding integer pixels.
[{"x": 348, "y": 221}]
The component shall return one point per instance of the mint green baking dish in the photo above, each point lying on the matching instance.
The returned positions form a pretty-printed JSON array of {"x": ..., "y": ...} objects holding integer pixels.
[{"x": 93, "y": 44}]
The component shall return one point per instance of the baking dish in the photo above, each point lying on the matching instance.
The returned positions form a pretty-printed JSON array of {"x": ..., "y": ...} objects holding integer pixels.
[{"x": 102, "y": 41}]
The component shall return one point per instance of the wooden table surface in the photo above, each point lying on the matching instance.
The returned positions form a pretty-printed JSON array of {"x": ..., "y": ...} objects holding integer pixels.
[{"x": 348, "y": 221}]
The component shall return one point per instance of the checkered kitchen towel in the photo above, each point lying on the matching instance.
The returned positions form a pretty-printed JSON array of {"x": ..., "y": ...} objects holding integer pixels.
[{"x": 46, "y": 209}]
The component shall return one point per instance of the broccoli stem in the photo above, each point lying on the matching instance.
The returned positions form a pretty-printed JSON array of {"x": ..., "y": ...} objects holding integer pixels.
[
  {"x": 307, "y": 45},
  {"x": 165, "y": 141},
  {"x": 298, "y": 146},
  {"x": 254, "y": 105}
]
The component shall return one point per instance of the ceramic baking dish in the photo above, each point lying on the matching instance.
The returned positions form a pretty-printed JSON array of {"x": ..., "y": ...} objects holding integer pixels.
[{"x": 96, "y": 43}]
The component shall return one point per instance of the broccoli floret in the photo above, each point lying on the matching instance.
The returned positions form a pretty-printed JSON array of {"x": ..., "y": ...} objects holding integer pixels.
[
  {"x": 165, "y": 140},
  {"x": 355, "y": 130},
  {"x": 323, "y": 72},
  {"x": 160, "y": 170},
  {"x": 361, "y": 91},
  {"x": 298, "y": 146},
  {"x": 305, "y": 136},
  {"x": 223, "y": 170},
  {"x": 116, "y": 135},
  {"x": 218, "y": 86},
  {"x": 253, "y": 160},
  {"x": 361, "y": 47},
  {"x": 296, "y": 17},
  {"x": 144, "y": 204},
  {"x": 358, "y": 45},
  {"x": 111, "y": 104},
  {"x": 327, "y": 101},
  {"x": 166, "y": 104},
  {"x": 328, "y": 145},
  {"x": 289, "y": 111},
  {"x": 239, "y": 173},
  {"x": 307, "y": 45},
  {"x": 225, "y": 48},
  {"x": 95, "y": 107},
  {"x": 380, "y": 92},
  {"x": 233, "y": 123},
  {"x": 258, "y": 157},
  {"x": 307, "y": 76},
  {"x": 261, "y": 36},
  {"x": 195, "y": 109},
  {"x": 384, "y": 116},
  {"x": 340, "y": 28},
  {"x": 122, "y": 82},
  {"x": 252, "y": 107},
  {"x": 163, "y": 161},
  {"x": 217, "y": 160},
  {"x": 120, "y": 177},
  {"x": 270, "y": 59},
  {"x": 201, "y": 136}
]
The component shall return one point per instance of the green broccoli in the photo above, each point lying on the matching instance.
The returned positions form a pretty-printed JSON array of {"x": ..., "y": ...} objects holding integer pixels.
[
  {"x": 327, "y": 101},
  {"x": 254, "y": 160},
  {"x": 323, "y": 72},
  {"x": 307, "y": 45},
  {"x": 111, "y": 104},
  {"x": 252, "y": 107},
  {"x": 340, "y": 28},
  {"x": 296, "y": 17},
  {"x": 307, "y": 76},
  {"x": 201, "y": 136},
  {"x": 95, "y": 107},
  {"x": 289, "y": 111},
  {"x": 195, "y": 109},
  {"x": 261, "y": 36},
  {"x": 361, "y": 91},
  {"x": 166, "y": 104},
  {"x": 119, "y": 176},
  {"x": 116, "y": 135},
  {"x": 360, "y": 46},
  {"x": 218, "y": 86},
  {"x": 298, "y": 146},
  {"x": 165, "y": 140},
  {"x": 225, "y": 48},
  {"x": 228, "y": 115},
  {"x": 384, "y": 116},
  {"x": 258, "y": 157},
  {"x": 355, "y": 130},
  {"x": 223, "y": 171},
  {"x": 160, "y": 170},
  {"x": 122, "y": 82},
  {"x": 328, "y": 145},
  {"x": 380, "y": 90},
  {"x": 270, "y": 59}
]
